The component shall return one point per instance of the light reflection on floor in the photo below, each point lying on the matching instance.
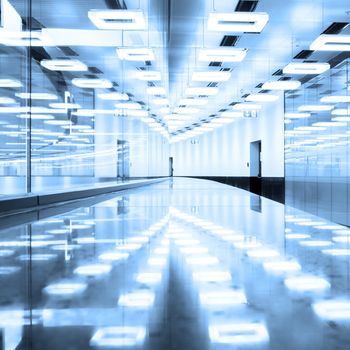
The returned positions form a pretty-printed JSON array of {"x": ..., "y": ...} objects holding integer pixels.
[{"x": 187, "y": 264}]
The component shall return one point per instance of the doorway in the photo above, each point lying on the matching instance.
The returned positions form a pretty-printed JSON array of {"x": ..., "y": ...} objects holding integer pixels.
[
  {"x": 255, "y": 167},
  {"x": 171, "y": 169}
]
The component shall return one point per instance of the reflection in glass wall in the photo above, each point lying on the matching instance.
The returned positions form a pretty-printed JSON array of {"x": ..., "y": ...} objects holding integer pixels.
[
  {"x": 317, "y": 142},
  {"x": 73, "y": 103}
]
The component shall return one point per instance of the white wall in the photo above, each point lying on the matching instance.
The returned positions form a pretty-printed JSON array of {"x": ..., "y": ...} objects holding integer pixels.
[{"x": 226, "y": 150}]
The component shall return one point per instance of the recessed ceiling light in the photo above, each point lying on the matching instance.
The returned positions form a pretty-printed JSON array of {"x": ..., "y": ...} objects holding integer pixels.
[
  {"x": 262, "y": 98},
  {"x": 140, "y": 54},
  {"x": 315, "y": 108},
  {"x": 329, "y": 42},
  {"x": 341, "y": 119},
  {"x": 128, "y": 105},
  {"x": 92, "y": 83},
  {"x": 113, "y": 96},
  {"x": 148, "y": 75},
  {"x": 64, "y": 65},
  {"x": 118, "y": 19},
  {"x": 242, "y": 22},
  {"x": 330, "y": 124},
  {"x": 36, "y": 116},
  {"x": 229, "y": 114},
  {"x": 193, "y": 102},
  {"x": 297, "y": 115},
  {"x": 36, "y": 96},
  {"x": 137, "y": 113},
  {"x": 335, "y": 99},
  {"x": 10, "y": 83},
  {"x": 201, "y": 91},
  {"x": 160, "y": 101},
  {"x": 186, "y": 110},
  {"x": 341, "y": 111},
  {"x": 211, "y": 76},
  {"x": 58, "y": 122},
  {"x": 282, "y": 85},
  {"x": 223, "y": 54},
  {"x": 7, "y": 100},
  {"x": 246, "y": 106},
  {"x": 154, "y": 90},
  {"x": 306, "y": 68},
  {"x": 23, "y": 38},
  {"x": 65, "y": 105}
]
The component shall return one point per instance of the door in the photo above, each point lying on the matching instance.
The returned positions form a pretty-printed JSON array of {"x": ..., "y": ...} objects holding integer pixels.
[
  {"x": 171, "y": 169},
  {"x": 255, "y": 167}
]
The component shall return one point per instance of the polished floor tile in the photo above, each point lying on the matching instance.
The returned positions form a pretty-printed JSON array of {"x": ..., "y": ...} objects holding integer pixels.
[{"x": 184, "y": 264}]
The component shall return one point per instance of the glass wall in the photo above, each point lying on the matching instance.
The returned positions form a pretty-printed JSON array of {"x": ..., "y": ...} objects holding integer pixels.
[
  {"x": 317, "y": 143},
  {"x": 76, "y": 105}
]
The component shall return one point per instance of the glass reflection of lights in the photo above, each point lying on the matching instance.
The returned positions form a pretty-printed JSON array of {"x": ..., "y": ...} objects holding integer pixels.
[
  {"x": 65, "y": 289},
  {"x": 149, "y": 277},
  {"x": 93, "y": 270},
  {"x": 113, "y": 256},
  {"x": 223, "y": 298},
  {"x": 139, "y": 299},
  {"x": 281, "y": 267},
  {"x": 211, "y": 276},
  {"x": 238, "y": 333},
  {"x": 306, "y": 284},
  {"x": 332, "y": 310},
  {"x": 118, "y": 336}
]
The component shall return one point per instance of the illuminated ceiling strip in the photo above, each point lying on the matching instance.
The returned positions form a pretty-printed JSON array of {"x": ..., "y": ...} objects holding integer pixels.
[
  {"x": 306, "y": 68},
  {"x": 140, "y": 54},
  {"x": 242, "y": 22},
  {"x": 224, "y": 54},
  {"x": 64, "y": 65},
  {"x": 118, "y": 19},
  {"x": 329, "y": 42}
]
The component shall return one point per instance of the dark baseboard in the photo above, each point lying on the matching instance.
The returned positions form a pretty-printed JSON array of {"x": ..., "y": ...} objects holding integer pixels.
[{"x": 269, "y": 187}]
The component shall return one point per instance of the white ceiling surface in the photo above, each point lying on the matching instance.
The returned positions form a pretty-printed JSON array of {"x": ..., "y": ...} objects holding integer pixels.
[{"x": 292, "y": 26}]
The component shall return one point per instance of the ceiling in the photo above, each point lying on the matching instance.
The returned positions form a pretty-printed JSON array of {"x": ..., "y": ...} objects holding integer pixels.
[{"x": 176, "y": 31}]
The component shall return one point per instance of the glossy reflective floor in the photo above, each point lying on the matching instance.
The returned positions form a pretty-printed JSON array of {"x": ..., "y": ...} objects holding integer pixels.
[{"x": 184, "y": 264}]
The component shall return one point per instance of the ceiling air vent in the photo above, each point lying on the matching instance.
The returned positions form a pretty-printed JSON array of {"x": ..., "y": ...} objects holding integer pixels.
[
  {"x": 215, "y": 64},
  {"x": 304, "y": 54},
  {"x": 278, "y": 72},
  {"x": 67, "y": 51},
  {"x": 246, "y": 6},
  {"x": 335, "y": 28},
  {"x": 285, "y": 78},
  {"x": 259, "y": 86},
  {"x": 95, "y": 70},
  {"x": 229, "y": 40},
  {"x": 212, "y": 84}
]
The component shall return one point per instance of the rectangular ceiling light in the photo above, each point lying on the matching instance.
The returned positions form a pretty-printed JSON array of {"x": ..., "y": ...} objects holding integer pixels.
[
  {"x": 282, "y": 85},
  {"x": 92, "y": 83},
  {"x": 242, "y": 22},
  {"x": 294, "y": 115},
  {"x": 128, "y": 105},
  {"x": 306, "y": 68},
  {"x": 193, "y": 102},
  {"x": 186, "y": 110},
  {"x": 211, "y": 76},
  {"x": 113, "y": 96},
  {"x": 64, "y": 65},
  {"x": 154, "y": 90},
  {"x": 7, "y": 100},
  {"x": 10, "y": 83},
  {"x": 329, "y": 42},
  {"x": 118, "y": 19},
  {"x": 141, "y": 54},
  {"x": 223, "y": 54},
  {"x": 29, "y": 38},
  {"x": 149, "y": 75},
  {"x": 202, "y": 91},
  {"x": 262, "y": 98},
  {"x": 233, "y": 114},
  {"x": 335, "y": 99},
  {"x": 247, "y": 106},
  {"x": 315, "y": 108},
  {"x": 160, "y": 101},
  {"x": 36, "y": 96}
]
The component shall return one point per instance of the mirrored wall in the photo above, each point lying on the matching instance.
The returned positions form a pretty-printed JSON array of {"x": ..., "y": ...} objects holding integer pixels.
[
  {"x": 73, "y": 109},
  {"x": 317, "y": 152}
]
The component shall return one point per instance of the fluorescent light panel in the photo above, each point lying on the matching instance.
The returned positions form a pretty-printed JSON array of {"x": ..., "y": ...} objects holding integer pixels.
[
  {"x": 211, "y": 76},
  {"x": 328, "y": 42},
  {"x": 118, "y": 19},
  {"x": 92, "y": 83},
  {"x": 306, "y": 68},
  {"x": 242, "y": 22},
  {"x": 140, "y": 54},
  {"x": 202, "y": 91},
  {"x": 282, "y": 85},
  {"x": 224, "y": 54},
  {"x": 64, "y": 65}
]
